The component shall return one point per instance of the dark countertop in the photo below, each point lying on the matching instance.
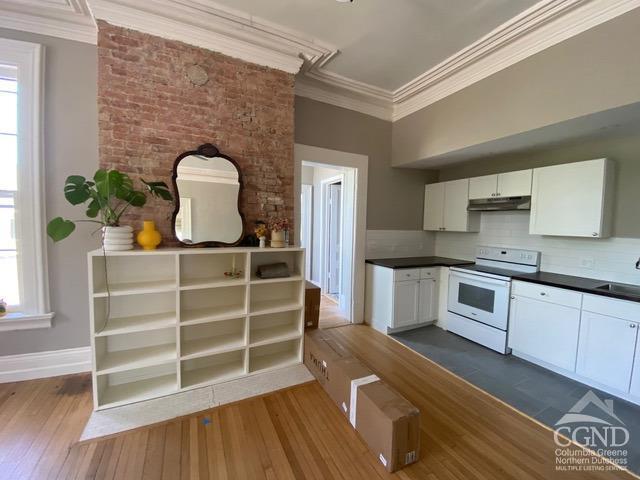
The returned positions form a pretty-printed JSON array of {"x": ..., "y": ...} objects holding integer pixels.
[
  {"x": 579, "y": 284},
  {"x": 417, "y": 262}
]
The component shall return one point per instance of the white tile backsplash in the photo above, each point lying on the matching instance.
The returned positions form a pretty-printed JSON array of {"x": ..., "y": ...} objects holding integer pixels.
[
  {"x": 399, "y": 243},
  {"x": 607, "y": 259}
]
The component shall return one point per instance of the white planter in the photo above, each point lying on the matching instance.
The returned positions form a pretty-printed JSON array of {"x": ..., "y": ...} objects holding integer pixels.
[{"x": 117, "y": 238}]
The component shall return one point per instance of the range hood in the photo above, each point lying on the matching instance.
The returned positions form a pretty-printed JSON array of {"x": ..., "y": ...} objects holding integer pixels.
[{"x": 499, "y": 204}]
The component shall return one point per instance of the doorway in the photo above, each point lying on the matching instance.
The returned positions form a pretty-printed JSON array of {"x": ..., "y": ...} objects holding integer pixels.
[{"x": 331, "y": 215}]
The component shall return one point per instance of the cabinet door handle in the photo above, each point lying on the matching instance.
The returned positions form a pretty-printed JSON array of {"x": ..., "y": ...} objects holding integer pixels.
[
  {"x": 543, "y": 294},
  {"x": 632, "y": 325},
  {"x": 594, "y": 234},
  {"x": 512, "y": 297}
]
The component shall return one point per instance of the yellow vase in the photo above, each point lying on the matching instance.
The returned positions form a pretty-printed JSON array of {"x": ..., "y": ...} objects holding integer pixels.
[{"x": 149, "y": 238}]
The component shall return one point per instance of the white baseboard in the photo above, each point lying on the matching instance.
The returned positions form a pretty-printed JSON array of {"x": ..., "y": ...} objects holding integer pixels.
[{"x": 15, "y": 368}]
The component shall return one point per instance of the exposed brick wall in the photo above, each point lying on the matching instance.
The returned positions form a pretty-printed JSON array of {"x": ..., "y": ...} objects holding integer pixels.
[{"x": 149, "y": 113}]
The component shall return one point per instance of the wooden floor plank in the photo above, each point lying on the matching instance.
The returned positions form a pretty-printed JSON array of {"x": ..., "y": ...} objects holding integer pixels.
[{"x": 292, "y": 434}]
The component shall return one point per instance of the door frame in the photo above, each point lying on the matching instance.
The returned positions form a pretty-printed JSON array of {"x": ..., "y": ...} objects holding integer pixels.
[
  {"x": 324, "y": 212},
  {"x": 360, "y": 165},
  {"x": 306, "y": 226}
]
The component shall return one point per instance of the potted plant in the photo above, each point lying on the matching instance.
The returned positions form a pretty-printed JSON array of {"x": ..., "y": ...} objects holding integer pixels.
[
  {"x": 109, "y": 195},
  {"x": 279, "y": 228}
]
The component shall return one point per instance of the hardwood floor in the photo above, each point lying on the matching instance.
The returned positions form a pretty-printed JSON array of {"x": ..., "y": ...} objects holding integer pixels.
[
  {"x": 330, "y": 315},
  {"x": 295, "y": 433}
]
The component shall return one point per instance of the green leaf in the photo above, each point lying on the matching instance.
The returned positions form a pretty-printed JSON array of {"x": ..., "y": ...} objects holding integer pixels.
[
  {"x": 108, "y": 183},
  {"x": 93, "y": 209},
  {"x": 159, "y": 189},
  {"x": 59, "y": 228},
  {"x": 136, "y": 198},
  {"x": 76, "y": 191}
]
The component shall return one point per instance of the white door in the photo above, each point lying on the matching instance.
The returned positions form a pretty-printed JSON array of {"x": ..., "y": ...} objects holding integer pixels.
[
  {"x": 428, "y": 306},
  {"x": 433, "y": 206},
  {"x": 545, "y": 331},
  {"x": 334, "y": 238},
  {"x": 515, "y": 184},
  {"x": 456, "y": 201},
  {"x": 406, "y": 297},
  {"x": 568, "y": 199},
  {"x": 483, "y": 187},
  {"x": 606, "y": 350},
  {"x": 635, "y": 378},
  {"x": 306, "y": 221}
]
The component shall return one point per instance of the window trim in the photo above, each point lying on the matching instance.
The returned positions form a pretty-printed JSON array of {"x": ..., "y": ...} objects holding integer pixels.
[{"x": 32, "y": 248}]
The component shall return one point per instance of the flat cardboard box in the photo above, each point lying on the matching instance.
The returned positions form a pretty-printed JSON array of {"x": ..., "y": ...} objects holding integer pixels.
[
  {"x": 385, "y": 420},
  {"x": 389, "y": 424},
  {"x": 320, "y": 352}
]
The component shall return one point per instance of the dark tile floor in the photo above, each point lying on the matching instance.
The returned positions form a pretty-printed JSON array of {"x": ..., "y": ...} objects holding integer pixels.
[{"x": 540, "y": 393}]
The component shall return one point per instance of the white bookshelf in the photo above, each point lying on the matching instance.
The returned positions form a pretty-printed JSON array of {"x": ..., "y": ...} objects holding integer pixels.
[{"x": 175, "y": 321}]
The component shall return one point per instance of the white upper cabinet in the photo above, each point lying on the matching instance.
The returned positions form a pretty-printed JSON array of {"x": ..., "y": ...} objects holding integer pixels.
[
  {"x": 483, "y": 187},
  {"x": 510, "y": 184},
  {"x": 515, "y": 184},
  {"x": 573, "y": 199},
  {"x": 445, "y": 207},
  {"x": 434, "y": 206}
]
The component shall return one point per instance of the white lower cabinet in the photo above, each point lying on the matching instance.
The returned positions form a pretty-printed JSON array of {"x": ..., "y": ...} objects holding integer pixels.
[
  {"x": 635, "y": 377},
  {"x": 606, "y": 350},
  {"x": 406, "y": 298},
  {"x": 428, "y": 302},
  {"x": 401, "y": 298},
  {"x": 545, "y": 331}
]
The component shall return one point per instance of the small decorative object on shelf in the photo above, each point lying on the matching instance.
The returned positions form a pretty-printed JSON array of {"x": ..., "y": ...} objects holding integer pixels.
[
  {"x": 109, "y": 195},
  {"x": 149, "y": 238},
  {"x": 234, "y": 272},
  {"x": 3, "y": 307},
  {"x": 278, "y": 228},
  {"x": 261, "y": 233}
]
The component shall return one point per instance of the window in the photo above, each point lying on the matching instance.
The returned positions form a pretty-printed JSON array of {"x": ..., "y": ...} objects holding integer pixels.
[{"x": 23, "y": 263}]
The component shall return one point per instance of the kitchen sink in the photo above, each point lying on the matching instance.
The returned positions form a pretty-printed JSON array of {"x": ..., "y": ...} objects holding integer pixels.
[{"x": 622, "y": 289}]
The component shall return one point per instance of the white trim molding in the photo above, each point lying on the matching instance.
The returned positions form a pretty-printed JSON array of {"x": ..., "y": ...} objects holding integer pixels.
[
  {"x": 211, "y": 26},
  {"x": 543, "y": 25},
  {"x": 28, "y": 58},
  {"x": 28, "y": 366},
  {"x": 70, "y": 19},
  {"x": 19, "y": 321}
]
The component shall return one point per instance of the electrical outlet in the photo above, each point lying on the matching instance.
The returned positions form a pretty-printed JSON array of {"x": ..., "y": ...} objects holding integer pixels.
[{"x": 587, "y": 262}]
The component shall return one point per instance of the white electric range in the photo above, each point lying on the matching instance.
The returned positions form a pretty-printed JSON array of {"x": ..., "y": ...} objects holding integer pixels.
[{"x": 478, "y": 301}]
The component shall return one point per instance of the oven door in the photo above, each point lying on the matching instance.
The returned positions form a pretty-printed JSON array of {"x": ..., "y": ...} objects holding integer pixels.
[{"x": 479, "y": 298}]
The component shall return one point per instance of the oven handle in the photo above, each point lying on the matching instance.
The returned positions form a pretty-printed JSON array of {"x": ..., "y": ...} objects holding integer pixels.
[{"x": 478, "y": 278}]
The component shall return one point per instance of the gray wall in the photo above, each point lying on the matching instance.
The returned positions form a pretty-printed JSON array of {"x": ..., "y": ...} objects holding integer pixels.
[
  {"x": 594, "y": 71},
  {"x": 623, "y": 149},
  {"x": 70, "y": 147},
  {"x": 395, "y": 196}
]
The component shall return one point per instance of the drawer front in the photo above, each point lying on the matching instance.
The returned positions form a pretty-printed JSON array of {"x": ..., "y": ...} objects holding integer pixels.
[
  {"x": 559, "y": 296},
  {"x": 426, "y": 273},
  {"x": 612, "y": 307},
  {"x": 403, "y": 274}
]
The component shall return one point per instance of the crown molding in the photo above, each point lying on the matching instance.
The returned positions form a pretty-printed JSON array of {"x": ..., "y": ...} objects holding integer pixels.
[
  {"x": 544, "y": 25},
  {"x": 69, "y": 19},
  {"x": 211, "y": 26},
  {"x": 341, "y": 97}
]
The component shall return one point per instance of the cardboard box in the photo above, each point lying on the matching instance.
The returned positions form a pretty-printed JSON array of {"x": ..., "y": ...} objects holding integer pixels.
[
  {"x": 385, "y": 420},
  {"x": 311, "y": 306},
  {"x": 320, "y": 352},
  {"x": 389, "y": 424}
]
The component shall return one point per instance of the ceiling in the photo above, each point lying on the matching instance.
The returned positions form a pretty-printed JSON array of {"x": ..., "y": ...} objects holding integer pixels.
[
  {"x": 387, "y": 43},
  {"x": 386, "y": 58}
]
